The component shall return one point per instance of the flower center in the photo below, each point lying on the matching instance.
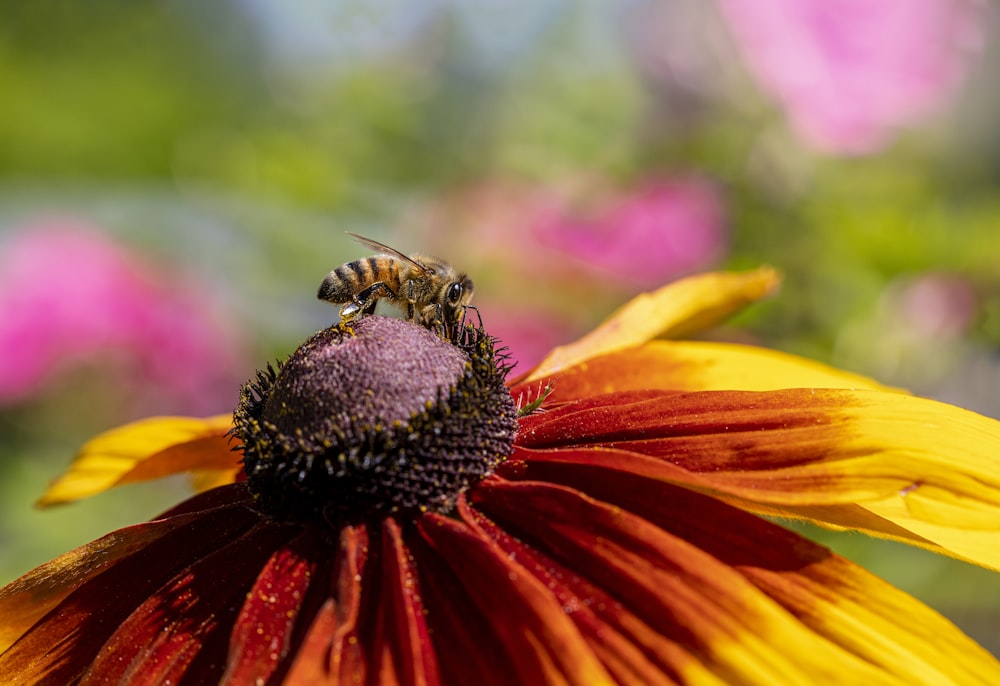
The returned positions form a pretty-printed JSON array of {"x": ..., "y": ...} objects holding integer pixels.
[{"x": 386, "y": 419}]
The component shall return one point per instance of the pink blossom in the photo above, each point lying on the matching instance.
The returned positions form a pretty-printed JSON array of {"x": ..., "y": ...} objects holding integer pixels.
[
  {"x": 850, "y": 72},
  {"x": 71, "y": 297},
  {"x": 642, "y": 236},
  {"x": 562, "y": 254}
]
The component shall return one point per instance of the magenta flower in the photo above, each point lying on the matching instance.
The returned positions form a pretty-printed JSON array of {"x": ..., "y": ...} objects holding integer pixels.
[
  {"x": 71, "y": 297},
  {"x": 850, "y": 72},
  {"x": 556, "y": 245},
  {"x": 655, "y": 231}
]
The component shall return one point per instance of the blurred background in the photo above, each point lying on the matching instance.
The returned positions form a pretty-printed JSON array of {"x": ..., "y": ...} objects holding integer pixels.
[{"x": 176, "y": 179}]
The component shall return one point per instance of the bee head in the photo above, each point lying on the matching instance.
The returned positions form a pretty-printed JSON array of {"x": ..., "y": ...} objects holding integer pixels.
[{"x": 457, "y": 295}]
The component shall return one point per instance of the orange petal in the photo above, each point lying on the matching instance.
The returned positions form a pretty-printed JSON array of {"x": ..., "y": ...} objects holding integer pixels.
[
  {"x": 145, "y": 450},
  {"x": 830, "y": 596},
  {"x": 331, "y": 650},
  {"x": 912, "y": 464},
  {"x": 207, "y": 479},
  {"x": 163, "y": 638},
  {"x": 726, "y": 624},
  {"x": 27, "y": 599},
  {"x": 677, "y": 309},
  {"x": 694, "y": 366},
  {"x": 80, "y": 599}
]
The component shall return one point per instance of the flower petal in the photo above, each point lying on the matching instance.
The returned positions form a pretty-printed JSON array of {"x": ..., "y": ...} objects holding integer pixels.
[
  {"x": 207, "y": 479},
  {"x": 331, "y": 650},
  {"x": 459, "y": 632},
  {"x": 27, "y": 599},
  {"x": 725, "y": 623},
  {"x": 891, "y": 461},
  {"x": 630, "y": 649},
  {"x": 178, "y": 630},
  {"x": 402, "y": 646},
  {"x": 144, "y": 450},
  {"x": 529, "y": 626},
  {"x": 693, "y": 366},
  {"x": 830, "y": 596},
  {"x": 262, "y": 635},
  {"x": 679, "y": 308},
  {"x": 97, "y": 604}
]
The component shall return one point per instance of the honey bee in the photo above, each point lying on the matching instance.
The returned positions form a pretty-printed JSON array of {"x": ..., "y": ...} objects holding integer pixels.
[{"x": 430, "y": 290}]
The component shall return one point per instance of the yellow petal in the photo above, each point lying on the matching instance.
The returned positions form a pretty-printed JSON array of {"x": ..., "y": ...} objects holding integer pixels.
[
  {"x": 830, "y": 596},
  {"x": 207, "y": 479},
  {"x": 930, "y": 469},
  {"x": 694, "y": 366},
  {"x": 677, "y": 309},
  {"x": 902, "y": 467},
  {"x": 144, "y": 450},
  {"x": 741, "y": 634}
]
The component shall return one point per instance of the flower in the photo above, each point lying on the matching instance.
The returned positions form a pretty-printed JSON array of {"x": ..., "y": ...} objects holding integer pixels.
[
  {"x": 583, "y": 239},
  {"x": 658, "y": 229},
  {"x": 618, "y": 542},
  {"x": 70, "y": 296},
  {"x": 850, "y": 72}
]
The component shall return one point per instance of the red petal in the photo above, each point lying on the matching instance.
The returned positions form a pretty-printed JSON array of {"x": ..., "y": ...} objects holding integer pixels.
[
  {"x": 686, "y": 595},
  {"x": 712, "y": 430},
  {"x": 831, "y": 596},
  {"x": 628, "y": 647},
  {"x": 262, "y": 635},
  {"x": 402, "y": 648},
  {"x": 71, "y": 634},
  {"x": 462, "y": 636},
  {"x": 27, "y": 599},
  {"x": 528, "y": 625},
  {"x": 925, "y": 468},
  {"x": 181, "y": 630}
]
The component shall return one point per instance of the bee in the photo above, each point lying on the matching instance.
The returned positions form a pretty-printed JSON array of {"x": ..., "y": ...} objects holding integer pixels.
[{"x": 430, "y": 290}]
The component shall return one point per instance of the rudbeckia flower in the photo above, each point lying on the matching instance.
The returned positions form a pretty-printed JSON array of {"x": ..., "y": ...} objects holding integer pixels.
[{"x": 394, "y": 512}]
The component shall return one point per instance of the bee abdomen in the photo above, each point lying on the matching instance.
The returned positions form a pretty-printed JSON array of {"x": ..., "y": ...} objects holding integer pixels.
[{"x": 344, "y": 282}]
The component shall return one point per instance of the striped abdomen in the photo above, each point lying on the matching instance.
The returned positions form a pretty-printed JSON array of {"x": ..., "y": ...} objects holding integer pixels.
[{"x": 347, "y": 280}]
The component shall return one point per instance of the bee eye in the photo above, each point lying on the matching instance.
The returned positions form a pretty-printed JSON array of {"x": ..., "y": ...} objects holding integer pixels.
[{"x": 454, "y": 293}]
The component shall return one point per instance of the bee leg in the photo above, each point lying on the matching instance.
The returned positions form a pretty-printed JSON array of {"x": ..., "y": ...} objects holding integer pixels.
[
  {"x": 465, "y": 314},
  {"x": 430, "y": 316},
  {"x": 410, "y": 300},
  {"x": 365, "y": 301}
]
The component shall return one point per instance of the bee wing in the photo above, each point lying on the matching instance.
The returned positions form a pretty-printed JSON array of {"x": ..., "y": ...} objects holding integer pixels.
[{"x": 383, "y": 248}]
